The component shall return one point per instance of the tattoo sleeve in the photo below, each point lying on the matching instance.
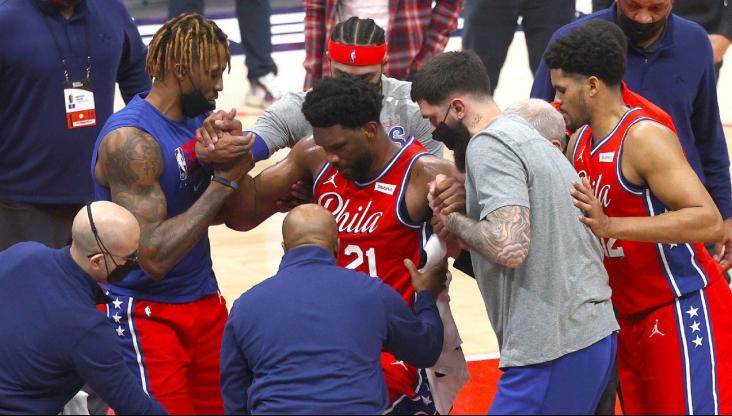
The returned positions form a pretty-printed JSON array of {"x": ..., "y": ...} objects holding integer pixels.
[
  {"x": 132, "y": 163},
  {"x": 502, "y": 237}
]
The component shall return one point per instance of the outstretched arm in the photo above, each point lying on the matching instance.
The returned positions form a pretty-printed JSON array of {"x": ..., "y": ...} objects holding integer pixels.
[
  {"x": 130, "y": 163},
  {"x": 256, "y": 199}
]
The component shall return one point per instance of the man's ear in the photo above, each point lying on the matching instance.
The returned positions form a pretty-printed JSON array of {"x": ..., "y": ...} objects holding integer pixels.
[
  {"x": 557, "y": 144},
  {"x": 96, "y": 261},
  {"x": 179, "y": 71},
  {"x": 593, "y": 85},
  {"x": 371, "y": 128},
  {"x": 284, "y": 247}
]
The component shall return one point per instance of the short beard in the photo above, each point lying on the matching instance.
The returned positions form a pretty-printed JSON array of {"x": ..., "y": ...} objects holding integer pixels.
[
  {"x": 462, "y": 139},
  {"x": 360, "y": 170}
]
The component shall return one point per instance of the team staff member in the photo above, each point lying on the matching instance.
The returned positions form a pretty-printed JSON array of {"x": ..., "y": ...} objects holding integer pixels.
[
  {"x": 670, "y": 63},
  {"x": 54, "y": 338},
  {"x": 310, "y": 338},
  {"x": 650, "y": 210},
  {"x": 170, "y": 306},
  {"x": 59, "y": 62},
  {"x": 539, "y": 270},
  {"x": 357, "y": 48}
]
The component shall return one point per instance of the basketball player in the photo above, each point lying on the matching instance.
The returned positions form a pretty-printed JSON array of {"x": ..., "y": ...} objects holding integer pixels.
[
  {"x": 357, "y": 48},
  {"x": 168, "y": 313},
  {"x": 641, "y": 197},
  {"x": 376, "y": 189}
]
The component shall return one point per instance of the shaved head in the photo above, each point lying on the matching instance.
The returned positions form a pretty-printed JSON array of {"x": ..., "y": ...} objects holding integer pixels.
[
  {"x": 117, "y": 228},
  {"x": 310, "y": 225}
]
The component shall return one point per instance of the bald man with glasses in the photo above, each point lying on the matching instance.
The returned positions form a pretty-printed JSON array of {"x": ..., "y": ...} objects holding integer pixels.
[{"x": 54, "y": 338}]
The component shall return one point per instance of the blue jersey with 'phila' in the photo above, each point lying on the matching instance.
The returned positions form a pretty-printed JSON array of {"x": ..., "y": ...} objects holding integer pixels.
[{"x": 192, "y": 278}]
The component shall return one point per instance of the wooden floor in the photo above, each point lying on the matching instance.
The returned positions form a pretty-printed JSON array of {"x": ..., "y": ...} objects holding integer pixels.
[{"x": 241, "y": 260}]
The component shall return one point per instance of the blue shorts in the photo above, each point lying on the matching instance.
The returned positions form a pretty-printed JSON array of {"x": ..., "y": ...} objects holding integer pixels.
[{"x": 571, "y": 384}]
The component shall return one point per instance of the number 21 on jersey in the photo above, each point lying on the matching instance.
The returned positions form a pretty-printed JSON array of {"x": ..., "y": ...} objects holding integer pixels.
[{"x": 353, "y": 249}]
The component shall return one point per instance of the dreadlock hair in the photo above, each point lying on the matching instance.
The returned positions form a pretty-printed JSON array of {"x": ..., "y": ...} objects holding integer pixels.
[
  {"x": 346, "y": 101},
  {"x": 187, "y": 39},
  {"x": 355, "y": 31}
]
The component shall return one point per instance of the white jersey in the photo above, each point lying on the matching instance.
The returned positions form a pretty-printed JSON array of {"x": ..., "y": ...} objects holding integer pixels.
[{"x": 283, "y": 124}]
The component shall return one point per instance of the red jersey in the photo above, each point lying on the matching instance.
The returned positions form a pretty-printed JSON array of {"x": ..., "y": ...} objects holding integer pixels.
[
  {"x": 374, "y": 230},
  {"x": 633, "y": 99},
  {"x": 642, "y": 275}
]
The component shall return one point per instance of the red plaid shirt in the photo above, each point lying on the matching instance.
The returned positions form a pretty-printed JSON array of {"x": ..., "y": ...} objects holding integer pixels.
[{"x": 416, "y": 32}]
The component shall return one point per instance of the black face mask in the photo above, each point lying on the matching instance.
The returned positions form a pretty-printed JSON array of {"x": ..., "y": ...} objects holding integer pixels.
[
  {"x": 640, "y": 32},
  {"x": 454, "y": 138},
  {"x": 194, "y": 103},
  {"x": 120, "y": 270}
]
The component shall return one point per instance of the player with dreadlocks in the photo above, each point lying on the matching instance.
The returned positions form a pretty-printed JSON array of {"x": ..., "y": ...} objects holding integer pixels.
[{"x": 167, "y": 312}]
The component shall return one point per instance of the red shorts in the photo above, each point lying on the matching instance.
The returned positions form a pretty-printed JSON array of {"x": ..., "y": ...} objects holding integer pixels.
[
  {"x": 173, "y": 349},
  {"x": 409, "y": 392},
  {"x": 676, "y": 358}
]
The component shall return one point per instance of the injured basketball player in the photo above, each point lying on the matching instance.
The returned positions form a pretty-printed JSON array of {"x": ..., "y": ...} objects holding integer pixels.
[{"x": 377, "y": 191}]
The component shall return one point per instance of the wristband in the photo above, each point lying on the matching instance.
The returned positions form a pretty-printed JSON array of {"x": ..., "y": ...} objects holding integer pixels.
[{"x": 231, "y": 184}]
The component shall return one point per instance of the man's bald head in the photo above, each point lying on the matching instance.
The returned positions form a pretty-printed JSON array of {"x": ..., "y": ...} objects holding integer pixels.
[
  {"x": 309, "y": 225},
  {"x": 117, "y": 228},
  {"x": 542, "y": 117}
]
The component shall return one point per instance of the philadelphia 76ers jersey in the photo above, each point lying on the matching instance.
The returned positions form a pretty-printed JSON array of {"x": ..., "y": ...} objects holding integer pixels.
[
  {"x": 642, "y": 275},
  {"x": 374, "y": 230}
]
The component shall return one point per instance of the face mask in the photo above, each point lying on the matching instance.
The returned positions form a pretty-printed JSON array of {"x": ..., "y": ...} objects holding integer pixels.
[
  {"x": 194, "y": 103},
  {"x": 640, "y": 32},
  {"x": 120, "y": 271},
  {"x": 454, "y": 138}
]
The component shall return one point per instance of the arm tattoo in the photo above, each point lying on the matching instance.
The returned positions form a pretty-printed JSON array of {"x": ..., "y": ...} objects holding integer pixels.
[
  {"x": 502, "y": 237},
  {"x": 133, "y": 163}
]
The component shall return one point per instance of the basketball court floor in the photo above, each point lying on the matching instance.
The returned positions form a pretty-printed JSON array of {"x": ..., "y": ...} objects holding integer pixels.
[{"x": 241, "y": 260}]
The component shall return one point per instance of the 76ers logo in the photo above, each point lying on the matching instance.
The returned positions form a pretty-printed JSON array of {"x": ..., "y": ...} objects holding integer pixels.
[{"x": 359, "y": 222}]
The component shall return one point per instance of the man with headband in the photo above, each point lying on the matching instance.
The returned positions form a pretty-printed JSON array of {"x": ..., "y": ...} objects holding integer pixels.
[{"x": 357, "y": 48}]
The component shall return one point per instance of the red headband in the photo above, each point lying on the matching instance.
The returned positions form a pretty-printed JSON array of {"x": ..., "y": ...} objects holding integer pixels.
[{"x": 358, "y": 55}]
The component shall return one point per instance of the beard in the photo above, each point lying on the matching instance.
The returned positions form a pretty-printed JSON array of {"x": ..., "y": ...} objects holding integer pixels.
[
  {"x": 359, "y": 171},
  {"x": 460, "y": 152},
  {"x": 456, "y": 139}
]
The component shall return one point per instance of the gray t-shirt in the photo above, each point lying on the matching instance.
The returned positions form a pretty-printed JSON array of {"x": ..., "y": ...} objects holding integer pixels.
[
  {"x": 558, "y": 300},
  {"x": 283, "y": 123}
]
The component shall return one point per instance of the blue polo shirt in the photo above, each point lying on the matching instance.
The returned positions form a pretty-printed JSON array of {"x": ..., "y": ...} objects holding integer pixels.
[
  {"x": 55, "y": 339},
  {"x": 41, "y": 160},
  {"x": 676, "y": 74},
  {"x": 309, "y": 339}
]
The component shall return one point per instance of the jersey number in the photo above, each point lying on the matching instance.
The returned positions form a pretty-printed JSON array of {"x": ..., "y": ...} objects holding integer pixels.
[
  {"x": 611, "y": 251},
  {"x": 358, "y": 252}
]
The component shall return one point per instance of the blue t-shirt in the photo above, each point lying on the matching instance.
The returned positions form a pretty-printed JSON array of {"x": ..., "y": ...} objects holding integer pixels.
[
  {"x": 192, "y": 278},
  {"x": 309, "y": 339},
  {"x": 55, "y": 339},
  {"x": 41, "y": 160}
]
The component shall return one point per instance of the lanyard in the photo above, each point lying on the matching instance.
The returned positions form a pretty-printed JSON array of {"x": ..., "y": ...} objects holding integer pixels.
[{"x": 60, "y": 53}]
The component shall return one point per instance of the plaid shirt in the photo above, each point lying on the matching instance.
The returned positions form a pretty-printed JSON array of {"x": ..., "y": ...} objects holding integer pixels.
[{"x": 416, "y": 32}]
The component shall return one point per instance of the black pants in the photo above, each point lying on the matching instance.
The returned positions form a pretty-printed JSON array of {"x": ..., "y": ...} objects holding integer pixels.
[
  {"x": 490, "y": 26},
  {"x": 47, "y": 224},
  {"x": 256, "y": 32}
]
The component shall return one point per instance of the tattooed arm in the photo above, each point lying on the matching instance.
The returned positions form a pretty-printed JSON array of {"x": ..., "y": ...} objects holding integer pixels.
[
  {"x": 130, "y": 164},
  {"x": 503, "y": 237}
]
